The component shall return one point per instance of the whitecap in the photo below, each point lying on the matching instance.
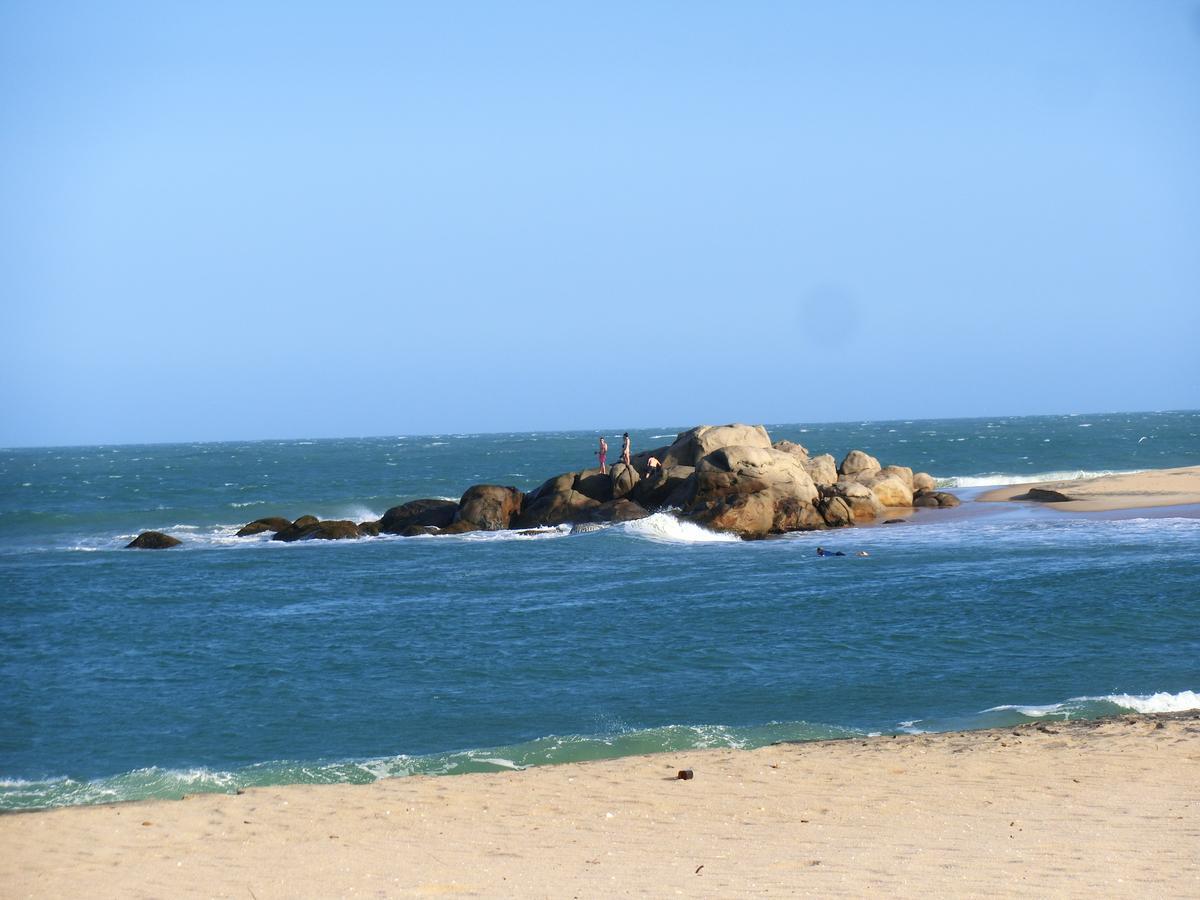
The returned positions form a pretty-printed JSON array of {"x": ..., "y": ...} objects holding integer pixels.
[{"x": 666, "y": 528}]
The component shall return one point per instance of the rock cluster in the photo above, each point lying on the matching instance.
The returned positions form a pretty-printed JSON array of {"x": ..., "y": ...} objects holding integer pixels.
[{"x": 725, "y": 477}]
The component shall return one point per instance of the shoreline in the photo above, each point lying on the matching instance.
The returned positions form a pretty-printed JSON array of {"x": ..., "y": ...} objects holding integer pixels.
[
  {"x": 1148, "y": 489},
  {"x": 1107, "y": 805}
]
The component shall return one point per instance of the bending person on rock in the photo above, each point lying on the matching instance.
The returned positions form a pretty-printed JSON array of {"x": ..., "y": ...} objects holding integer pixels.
[{"x": 603, "y": 454}]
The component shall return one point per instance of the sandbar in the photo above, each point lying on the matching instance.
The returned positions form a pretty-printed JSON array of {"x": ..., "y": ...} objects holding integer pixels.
[
  {"x": 1104, "y": 493},
  {"x": 1105, "y": 807}
]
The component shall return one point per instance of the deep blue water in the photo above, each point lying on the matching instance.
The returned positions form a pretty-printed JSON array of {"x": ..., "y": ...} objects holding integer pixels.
[{"x": 237, "y": 661}]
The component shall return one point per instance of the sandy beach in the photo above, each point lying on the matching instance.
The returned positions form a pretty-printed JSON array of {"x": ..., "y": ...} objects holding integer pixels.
[
  {"x": 1108, "y": 807},
  {"x": 1135, "y": 490}
]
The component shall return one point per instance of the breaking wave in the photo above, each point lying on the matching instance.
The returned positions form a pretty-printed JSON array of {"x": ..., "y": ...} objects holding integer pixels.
[{"x": 665, "y": 528}]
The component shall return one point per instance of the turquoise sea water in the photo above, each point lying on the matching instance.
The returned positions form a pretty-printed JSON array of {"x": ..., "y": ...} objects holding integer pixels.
[{"x": 238, "y": 661}]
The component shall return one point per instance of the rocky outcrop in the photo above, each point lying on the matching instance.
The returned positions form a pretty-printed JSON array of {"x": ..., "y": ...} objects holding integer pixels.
[
  {"x": 752, "y": 490},
  {"x": 427, "y": 512},
  {"x": 153, "y": 540},
  {"x": 489, "y": 507},
  {"x": 1043, "y": 495},
  {"x": 308, "y": 528},
  {"x": 369, "y": 529},
  {"x": 259, "y": 526}
]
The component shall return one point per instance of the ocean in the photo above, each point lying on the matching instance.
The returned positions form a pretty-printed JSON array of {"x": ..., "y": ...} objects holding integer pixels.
[{"x": 231, "y": 662}]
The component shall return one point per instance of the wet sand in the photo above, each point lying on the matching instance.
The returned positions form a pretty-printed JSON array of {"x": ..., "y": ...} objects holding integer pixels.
[
  {"x": 1105, "y": 493},
  {"x": 1108, "y": 807}
]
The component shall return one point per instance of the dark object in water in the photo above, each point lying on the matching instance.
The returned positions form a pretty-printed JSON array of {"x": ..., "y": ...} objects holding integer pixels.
[
  {"x": 152, "y": 540},
  {"x": 685, "y": 775},
  {"x": 894, "y": 521}
]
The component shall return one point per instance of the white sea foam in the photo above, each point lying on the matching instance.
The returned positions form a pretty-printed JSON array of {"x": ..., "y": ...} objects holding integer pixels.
[
  {"x": 665, "y": 528},
  {"x": 1003, "y": 478},
  {"x": 1142, "y": 703}
]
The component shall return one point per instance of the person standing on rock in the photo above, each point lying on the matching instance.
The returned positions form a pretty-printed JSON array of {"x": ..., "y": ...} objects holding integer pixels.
[
  {"x": 625, "y": 449},
  {"x": 603, "y": 454}
]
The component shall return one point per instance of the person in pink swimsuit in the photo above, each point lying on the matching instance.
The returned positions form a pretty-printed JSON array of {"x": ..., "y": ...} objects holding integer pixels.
[{"x": 603, "y": 454}]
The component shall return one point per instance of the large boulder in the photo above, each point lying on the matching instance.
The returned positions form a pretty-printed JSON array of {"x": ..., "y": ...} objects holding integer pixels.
[
  {"x": 821, "y": 469},
  {"x": 422, "y": 513},
  {"x": 591, "y": 483},
  {"x": 620, "y": 510},
  {"x": 904, "y": 473},
  {"x": 655, "y": 490},
  {"x": 623, "y": 479},
  {"x": 153, "y": 540},
  {"x": 752, "y": 491},
  {"x": 329, "y": 530},
  {"x": 555, "y": 508},
  {"x": 797, "y": 450},
  {"x": 489, "y": 507},
  {"x": 859, "y": 466},
  {"x": 258, "y": 526},
  {"x": 369, "y": 529},
  {"x": 891, "y": 490},
  {"x": 863, "y": 504},
  {"x": 696, "y": 443},
  {"x": 923, "y": 481},
  {"x": 835, "y": 511}
]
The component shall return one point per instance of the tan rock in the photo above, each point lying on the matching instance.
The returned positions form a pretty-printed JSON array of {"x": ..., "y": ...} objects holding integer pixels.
[
  {"x": 892, "y": 491},
  {"x": 859, "y": 465},
  {"x": 923, "y": 481},
  {"x": 822, "y": 469},
  {"x": 694, "y": 444}
]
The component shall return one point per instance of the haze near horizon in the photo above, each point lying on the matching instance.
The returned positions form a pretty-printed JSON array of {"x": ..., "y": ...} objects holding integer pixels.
[{"x": 226, "y": 223}]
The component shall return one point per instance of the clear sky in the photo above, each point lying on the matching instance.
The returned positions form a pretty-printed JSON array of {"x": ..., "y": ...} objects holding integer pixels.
[{"x": 238, "y": 220}]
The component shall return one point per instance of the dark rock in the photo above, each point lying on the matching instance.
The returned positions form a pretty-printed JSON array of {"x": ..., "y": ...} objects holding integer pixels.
[
  {"x": 595, "y": 486},
  {"x": 894, "y": 521},
  {"x": 258, "y": 526},
  {"x": 489, "y": 507},
  {"x": 462, "y": 526},
  {"x": 623, "y": 478},
  {"x": 1042, "y": 495},
  {"x": 835, "y": 511},
  {"x": 685, "y": 775},
  {"x": 925, "y": 499},
  {"x": 153, "y": 540},
  {"x": 430, "y": 511},
  {"x": 620, "y": 510},
  {"x": 415, "y": 530},
  {"x": 560, "y": 508},
  {"x": 331, "y": 530},
  {"x": 369, "y": 528},
  {"x": 946, "y": 500},
  {"x": 655, "y": 490},
  {"x": 305, "y": 522}
]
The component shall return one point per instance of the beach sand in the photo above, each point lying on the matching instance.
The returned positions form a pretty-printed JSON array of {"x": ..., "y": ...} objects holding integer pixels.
[
  {"x": 1137, "y": 490},
  {"x": 1104, "y": 807}
]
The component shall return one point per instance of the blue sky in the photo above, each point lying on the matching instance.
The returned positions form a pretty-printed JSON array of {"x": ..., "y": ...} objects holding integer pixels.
[{"x": 350, "y": 219}]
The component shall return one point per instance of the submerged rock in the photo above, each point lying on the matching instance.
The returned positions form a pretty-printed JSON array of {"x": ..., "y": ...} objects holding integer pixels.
[{"x": 153, "y": 540}]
